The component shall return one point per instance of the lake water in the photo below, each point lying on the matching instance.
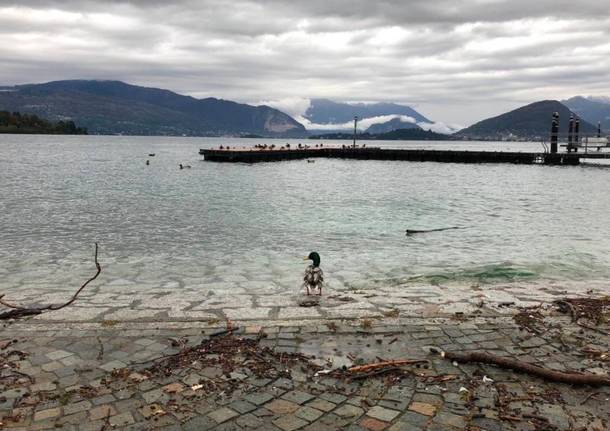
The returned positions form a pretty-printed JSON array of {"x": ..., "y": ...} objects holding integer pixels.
[{"x": 248, "y": 226}]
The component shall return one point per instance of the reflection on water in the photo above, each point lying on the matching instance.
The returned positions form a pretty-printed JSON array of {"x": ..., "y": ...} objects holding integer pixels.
[{"x": 236, "y": 225}]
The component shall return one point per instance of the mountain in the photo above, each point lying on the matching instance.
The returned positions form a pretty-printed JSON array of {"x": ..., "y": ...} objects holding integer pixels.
[
  {"x": 114, "y": 107},
  {"x": 324, "y": 111},
  {"x": 592, "y": 109},
  {"x": 532, "y": 121},
  {"x": 395, "y": 135},
  {"x": 393, "y": 124}
]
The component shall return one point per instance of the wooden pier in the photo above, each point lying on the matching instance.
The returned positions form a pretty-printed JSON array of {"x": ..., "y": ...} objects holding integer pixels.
[{"x": 255, "y": 155}]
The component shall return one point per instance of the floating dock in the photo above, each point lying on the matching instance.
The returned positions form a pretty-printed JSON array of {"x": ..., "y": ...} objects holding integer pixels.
[{"x": 255, "y": 155}]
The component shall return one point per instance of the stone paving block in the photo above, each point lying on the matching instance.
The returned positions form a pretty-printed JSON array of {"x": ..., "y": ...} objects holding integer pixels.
[
  {"x": 102, "y": 412},
  {"x": 282, "y": 407},
  {"x": 423, "y": 408},
  {"x": 198, "y": 423},
  {"x": 242, "y": 406},
  {"x": 222, "y": 415},
  {"x": 373, "y": 424},
  {"x": 52, "y": 366},
  {"x": 121, "y": 420},
  {"x": 249, "y": 421},
  {"x": 298, "y": 397},
  {"x": 112, "y": 365},
  {"x": 259, "y": 398},
  {"x": 333, "y": 398},
  {"x": 289, "y": 423},
  {"x": 80, "y": 406},
  {"x": 348, "y": 411},
  {"x": 308, "y": 413},
  {"x": 173, "y": 388},
  {"x": 58, "y": 354},
  {"x": 284, "y": 383},
  {"x": 151, "y": 410},
  {"x": 43, "y": 386},
  {"x": 46, "y": 414},
  {"x": 450, "y": 419},
  {"x": 383, "y": 414},
  {"x": 104, "y": 399},
  {"x": 320, "y": 404}
]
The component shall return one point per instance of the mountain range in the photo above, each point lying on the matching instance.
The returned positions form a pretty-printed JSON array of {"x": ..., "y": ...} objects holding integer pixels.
[
  {"x": 389, "y": 126},
  {"x": 114, "y": 107},
  {"x": 532, "y": 121},
  {"x": 593, "y": 109},
  {"x": 324, "y": 111}
]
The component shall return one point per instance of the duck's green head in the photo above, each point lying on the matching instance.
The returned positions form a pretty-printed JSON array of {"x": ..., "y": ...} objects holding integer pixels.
[{"x": 315, "y": 257}]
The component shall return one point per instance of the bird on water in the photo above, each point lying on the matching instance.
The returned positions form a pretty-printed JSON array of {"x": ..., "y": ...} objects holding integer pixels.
[{"x": 314, "y": 276}]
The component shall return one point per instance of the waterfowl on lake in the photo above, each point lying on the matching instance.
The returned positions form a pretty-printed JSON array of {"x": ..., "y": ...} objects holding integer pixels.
[
  {"x": 314, "y": 276},
  {"x": 151, "y": 154},
  {"x": 184, "y": 166}
]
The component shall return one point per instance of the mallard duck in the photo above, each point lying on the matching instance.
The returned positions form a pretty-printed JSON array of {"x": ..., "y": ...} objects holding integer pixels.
[{"x": 314, "y": 276}]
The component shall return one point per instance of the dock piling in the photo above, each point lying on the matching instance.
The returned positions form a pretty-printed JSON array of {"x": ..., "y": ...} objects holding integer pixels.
[
  {"x": 570, "y": 133},
  {"x": 576, "y": 134},
  {"x": 554, "y": 132}
]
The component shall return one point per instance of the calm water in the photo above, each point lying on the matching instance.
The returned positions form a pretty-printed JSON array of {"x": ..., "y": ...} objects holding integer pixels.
[{"x": 227, "y": 225}]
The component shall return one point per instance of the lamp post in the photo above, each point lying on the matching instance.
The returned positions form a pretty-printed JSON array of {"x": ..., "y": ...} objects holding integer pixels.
[{"x": 355, "y": 125}]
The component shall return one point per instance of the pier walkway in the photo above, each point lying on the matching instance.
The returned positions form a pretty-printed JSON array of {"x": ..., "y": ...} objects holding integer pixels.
[{"x": 254, "y": 155}]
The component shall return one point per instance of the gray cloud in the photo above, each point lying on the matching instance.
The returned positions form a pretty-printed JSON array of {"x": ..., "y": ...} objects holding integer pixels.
[{"x": 456, "y": 61}]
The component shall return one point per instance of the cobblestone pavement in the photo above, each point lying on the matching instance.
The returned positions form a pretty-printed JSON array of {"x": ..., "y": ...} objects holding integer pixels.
[{"x": 96, "y": 376}]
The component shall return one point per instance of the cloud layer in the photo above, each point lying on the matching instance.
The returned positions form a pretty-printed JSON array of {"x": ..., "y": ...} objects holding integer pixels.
[{"x": 457, "y": 62}]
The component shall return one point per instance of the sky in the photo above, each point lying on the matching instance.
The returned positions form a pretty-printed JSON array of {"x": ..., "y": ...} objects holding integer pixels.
[{"x": 456, "y": 62}]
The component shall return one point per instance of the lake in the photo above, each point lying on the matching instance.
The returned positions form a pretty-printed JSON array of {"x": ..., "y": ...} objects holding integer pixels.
[{"x": 249, "y": 226}]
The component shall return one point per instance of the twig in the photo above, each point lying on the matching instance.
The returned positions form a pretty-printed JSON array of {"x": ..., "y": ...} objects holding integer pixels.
[
  {"x": 588, "y": 397},
  {"x": 377, "y": 365},
  {"x": 19, "y": 311},
  {"x": 100, "y": 355},
  {"x": 570, "y": 307}
]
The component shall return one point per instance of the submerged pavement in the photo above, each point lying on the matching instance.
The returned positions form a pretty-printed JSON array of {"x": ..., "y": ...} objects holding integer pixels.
[
  {"x": 111, "y": 374},
  {"x": 123, "y": 301}
]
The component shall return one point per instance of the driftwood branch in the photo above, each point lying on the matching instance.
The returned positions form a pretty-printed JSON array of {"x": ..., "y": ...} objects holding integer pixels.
[
  {"x": 386, "y": 364},
  {"x": 513, "y": 364},
  {"x": 19, "y": 311},
  {"x": 414, "y": 231}
]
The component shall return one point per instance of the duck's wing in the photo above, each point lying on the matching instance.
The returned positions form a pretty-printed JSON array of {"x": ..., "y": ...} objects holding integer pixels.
[
  {"x": 309, "y": 274},
  {"x": 318, "y": 276}
]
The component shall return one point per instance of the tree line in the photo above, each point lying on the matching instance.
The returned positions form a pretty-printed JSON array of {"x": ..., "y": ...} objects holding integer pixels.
[{"x": 16, "y": 122}]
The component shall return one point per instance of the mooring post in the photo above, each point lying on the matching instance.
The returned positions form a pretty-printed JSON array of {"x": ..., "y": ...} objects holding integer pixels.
[
  {"x": 554, "y": 132},
  {"x": 570, "y": 132},
  {"x": 355, "y": 125},
  {"x": 599, "y": 129},
  {"x": 576, "y": 134}
]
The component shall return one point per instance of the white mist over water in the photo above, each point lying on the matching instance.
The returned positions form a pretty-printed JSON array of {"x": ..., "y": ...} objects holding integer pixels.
[{"x": 223, "y": 226}]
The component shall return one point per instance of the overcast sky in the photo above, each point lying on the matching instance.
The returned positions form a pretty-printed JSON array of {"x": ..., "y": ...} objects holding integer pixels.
[{"x": 455, "y": 61}]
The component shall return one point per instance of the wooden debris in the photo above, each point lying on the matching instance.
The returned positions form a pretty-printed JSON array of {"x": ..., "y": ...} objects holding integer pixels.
[
  {"x": 410, "y": 232},
  {"x": 513, "y": 364},
  {"x": 18, "y": 311},
  {"x": 385, "y": 364}
]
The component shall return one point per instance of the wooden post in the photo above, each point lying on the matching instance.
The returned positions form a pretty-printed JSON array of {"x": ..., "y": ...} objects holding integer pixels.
[
  {"x": 570, "y": 132},
  {"x": 576, "y": 134},
  {"x": 554, "y": 132},
  {"x": 599, "y": 129},
  {"x": 355, "y": 125}
]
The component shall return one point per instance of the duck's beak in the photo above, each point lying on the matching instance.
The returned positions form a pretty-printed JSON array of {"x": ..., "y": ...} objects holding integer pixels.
[{"x": 305, "y": 258}]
